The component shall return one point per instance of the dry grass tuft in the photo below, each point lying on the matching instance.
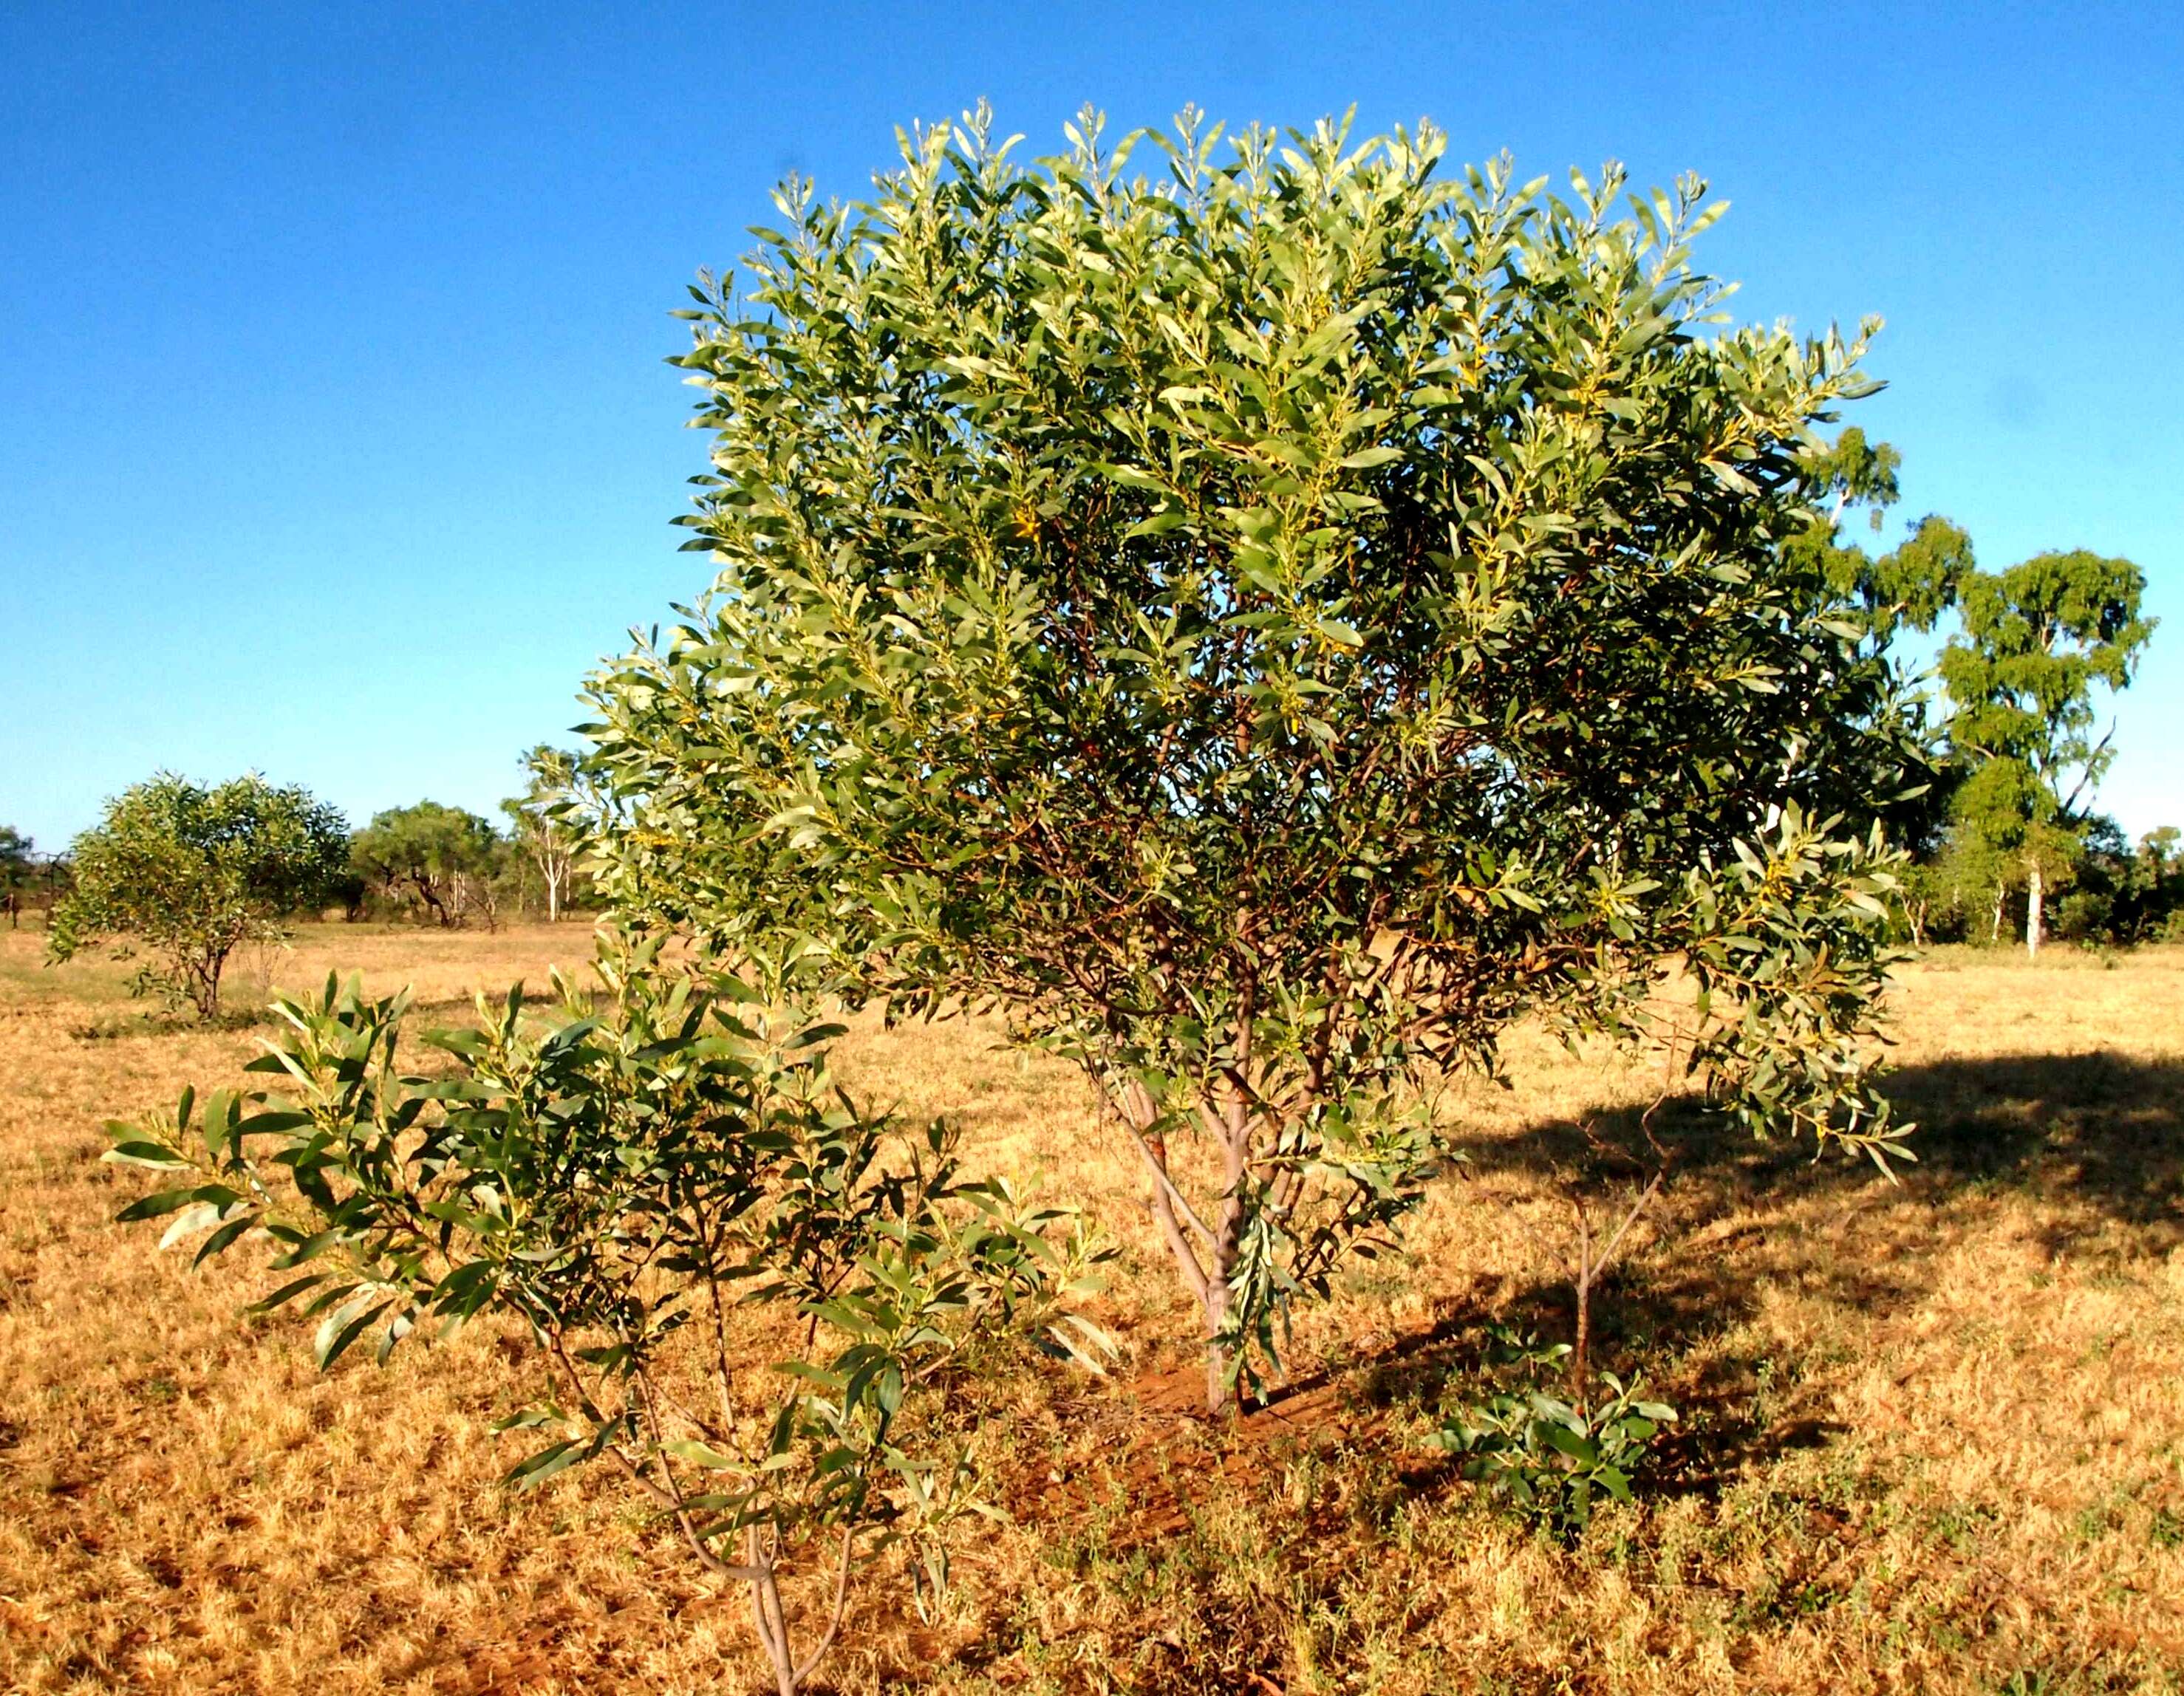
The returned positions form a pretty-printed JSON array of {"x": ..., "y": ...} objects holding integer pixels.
[{"x": 1934, "y": 1435}]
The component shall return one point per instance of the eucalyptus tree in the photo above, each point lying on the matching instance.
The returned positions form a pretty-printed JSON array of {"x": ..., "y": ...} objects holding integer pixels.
[
  {"x": 2037, "y": 642},
  {"x": 185, "y": 875},
  {"x": 1264, "y": 622},
  {"x": 1911, "y": 586},
  {"x": 539, "y": 819}
]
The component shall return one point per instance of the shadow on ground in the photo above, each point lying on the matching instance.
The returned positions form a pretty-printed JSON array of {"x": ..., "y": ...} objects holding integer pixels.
[
  {"x": 2103, "y": 1129},
  {"x": 2098, "y": 1138}
]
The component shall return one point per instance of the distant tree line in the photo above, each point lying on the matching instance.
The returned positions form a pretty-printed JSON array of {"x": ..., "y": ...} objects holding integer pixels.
[
  {"x": 448, "y": 867},
  {"x": 28, "y": 881},
  {"x": 180, "y": 876}
]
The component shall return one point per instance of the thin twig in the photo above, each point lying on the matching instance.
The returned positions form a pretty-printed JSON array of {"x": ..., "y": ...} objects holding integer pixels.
[
  {"x": 840, "y": 1609},
  {"x": 1158, "y": 1168}
]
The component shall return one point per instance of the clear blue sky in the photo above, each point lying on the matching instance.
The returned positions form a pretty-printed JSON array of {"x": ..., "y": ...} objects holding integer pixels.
[{"x": 335, "y": 439}]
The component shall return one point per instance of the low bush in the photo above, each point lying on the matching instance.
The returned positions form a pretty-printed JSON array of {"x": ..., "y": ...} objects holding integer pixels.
[
  {"x": 747, "y": 1294},
  {"x": 1549, "y": 1460}
]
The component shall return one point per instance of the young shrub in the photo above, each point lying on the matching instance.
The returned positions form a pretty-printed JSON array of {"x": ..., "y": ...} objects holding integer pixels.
[
  {"x": 1266, "y": 623},
  {"x": 1551, "y": 1460},
  {"x": 644, "y": 1182},
  {"x": 189, "y": 875}
]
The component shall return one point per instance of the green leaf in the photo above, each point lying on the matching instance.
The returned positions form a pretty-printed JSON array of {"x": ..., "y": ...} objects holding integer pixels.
[
  {"x": 136, "y": 1153},
  {"x": 703, "y": 1455},
  {"x": 154, "y": 1206}
]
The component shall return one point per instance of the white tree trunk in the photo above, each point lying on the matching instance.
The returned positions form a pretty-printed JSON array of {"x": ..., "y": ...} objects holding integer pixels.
[{"x": 2033, "y": 893}]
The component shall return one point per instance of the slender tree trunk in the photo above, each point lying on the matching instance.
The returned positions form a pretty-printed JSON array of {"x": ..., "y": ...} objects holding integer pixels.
[
  {"x": 1235, "y": 1149},
  {"x": 1994, "y": 931},
  {"x": 1134, "y": 1104},
  {"x": 1580, "y": 1366},
  {"x": 1590, "y": 1269},
  {"x": 1231, "y": 1124},
  {"x": 2033, "y": 892},
  {"x": 554, "y": 871},
  {"x": 1188, "y": 1235},
  {"x": 206, "y": 991}
]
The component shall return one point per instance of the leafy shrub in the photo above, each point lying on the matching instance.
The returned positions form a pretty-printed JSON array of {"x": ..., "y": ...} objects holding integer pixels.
[
  {"x": 188, "y": 874},
  {"x": 1549, "y": 1460},
  {"x": 644, "y": 1181}
]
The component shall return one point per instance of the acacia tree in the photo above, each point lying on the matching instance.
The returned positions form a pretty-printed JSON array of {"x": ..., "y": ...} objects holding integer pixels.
[
  {"x": 441, "y": 859},
  {"x": 2037, "y": 640},
  {"x": 1265, "y": 626},
  {"x": 188, "y": 874}
]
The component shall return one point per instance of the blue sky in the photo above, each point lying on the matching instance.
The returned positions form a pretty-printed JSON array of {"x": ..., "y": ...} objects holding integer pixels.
[{"x": 335, "y": 439}]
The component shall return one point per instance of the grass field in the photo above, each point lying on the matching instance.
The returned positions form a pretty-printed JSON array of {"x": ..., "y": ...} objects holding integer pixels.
[{"x": 1933, "y": 1435}]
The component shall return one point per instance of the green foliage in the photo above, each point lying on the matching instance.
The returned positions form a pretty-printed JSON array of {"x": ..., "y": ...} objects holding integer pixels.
[
  {"x": 187, "y": 875},
  {"x": 1911, "y": 586},
  {"x": 545, "y": 820},
  {"x": 1548, "y": 1461},
  {"x": 2122, "y": 895},
  {"x": 17, "y": 869},
  {"x": 437, "y": 861},
  {"x": 1266, "y": 625},
  {"x": 638, "y": 1180},
  {"x": 1958, "y": 891},
  {"x": 2037, "y": 641}
]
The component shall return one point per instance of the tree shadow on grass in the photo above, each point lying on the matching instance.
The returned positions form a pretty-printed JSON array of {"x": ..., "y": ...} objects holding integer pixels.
[
  {"x": 2097, "y": 1138},
  {"x": 2103, "y": 1129}
]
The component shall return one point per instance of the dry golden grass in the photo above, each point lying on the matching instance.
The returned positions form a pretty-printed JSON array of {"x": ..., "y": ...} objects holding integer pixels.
[{"x": 1935, "y": 1433}]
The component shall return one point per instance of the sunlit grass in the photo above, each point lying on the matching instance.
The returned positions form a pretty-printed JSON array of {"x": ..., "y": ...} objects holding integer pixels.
[{"x": 1934, "y": 1434}]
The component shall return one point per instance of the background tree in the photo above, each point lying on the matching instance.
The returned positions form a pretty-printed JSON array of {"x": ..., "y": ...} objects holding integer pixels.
[
  {"x": 188, "y": 874},
  {"x": 1904, "y": 592},
  {"x": 1266, "y": 627},
  {"x": 17, "y": 866},
  {"x": 2119, "y": 895},
  {"x": 2037, "y": 641},
  {"x": 1913, "y": 585},
  {"x": 1955, "y": 889},
  {"x": 539, "y": 821},
  {"x": 438, "y": 861},
  {"x": 2158, "y": 875}
]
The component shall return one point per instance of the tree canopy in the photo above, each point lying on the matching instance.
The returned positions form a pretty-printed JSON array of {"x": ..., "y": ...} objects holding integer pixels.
[
  {"x": 188, "y": 874},
  {"x": 439, "y": 858},
  {"x": 1913, "y": 584},
  {"x": 1266, "y": 625},
  {"x": 2037, "y": 641}
]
